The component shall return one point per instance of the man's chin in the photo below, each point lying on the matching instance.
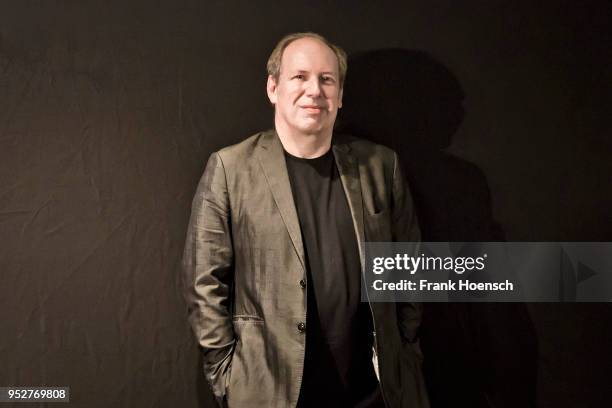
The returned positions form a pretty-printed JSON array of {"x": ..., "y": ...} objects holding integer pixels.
[{"x": 311, "y": 127}]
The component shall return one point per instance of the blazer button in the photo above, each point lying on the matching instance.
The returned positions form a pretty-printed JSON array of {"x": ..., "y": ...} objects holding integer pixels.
[
  {"x": 301, "y": 327},
  {"x": 303, "y": 283}
]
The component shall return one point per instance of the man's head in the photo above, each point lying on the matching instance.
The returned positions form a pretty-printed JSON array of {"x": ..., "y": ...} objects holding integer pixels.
[{"x": 305, "y": 78}]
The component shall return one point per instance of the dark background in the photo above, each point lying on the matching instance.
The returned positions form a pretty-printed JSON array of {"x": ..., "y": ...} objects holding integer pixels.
[{"x": 109, "y": 110}]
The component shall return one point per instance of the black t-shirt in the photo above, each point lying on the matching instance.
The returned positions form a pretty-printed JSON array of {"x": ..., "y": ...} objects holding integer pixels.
[{"x": 338, "y": 370}]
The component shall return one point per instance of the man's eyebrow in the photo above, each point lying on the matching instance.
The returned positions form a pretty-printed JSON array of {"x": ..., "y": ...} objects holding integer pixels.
[{"x": 303, "y": 71}]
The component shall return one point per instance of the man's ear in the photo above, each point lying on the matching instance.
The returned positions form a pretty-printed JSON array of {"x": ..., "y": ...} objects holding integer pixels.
[
  {"x": 340, "y": 98},
  {"x": 271, "y": 88}
]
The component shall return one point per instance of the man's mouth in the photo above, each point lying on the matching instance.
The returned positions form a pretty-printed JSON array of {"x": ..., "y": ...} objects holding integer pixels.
[{"x": 312, "y": 108}]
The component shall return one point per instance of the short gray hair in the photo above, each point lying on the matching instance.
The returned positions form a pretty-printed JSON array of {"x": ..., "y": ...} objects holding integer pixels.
[{"x": 274, "y": 62}]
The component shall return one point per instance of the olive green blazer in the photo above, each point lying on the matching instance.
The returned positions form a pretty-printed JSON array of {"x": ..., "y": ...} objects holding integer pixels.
[{"x": 244, "y": 268}]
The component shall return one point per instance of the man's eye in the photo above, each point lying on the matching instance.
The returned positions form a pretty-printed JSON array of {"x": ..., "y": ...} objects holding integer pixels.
[
  {"x": 299, "y": 76},
  {"x": 327, "y": 79}
]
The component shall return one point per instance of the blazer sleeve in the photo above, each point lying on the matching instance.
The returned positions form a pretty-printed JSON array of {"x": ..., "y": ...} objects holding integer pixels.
[
  {"x": 208, "y": 271},
  {"x": 409, "y": 314},
  {"x": 405, "y": 229}
]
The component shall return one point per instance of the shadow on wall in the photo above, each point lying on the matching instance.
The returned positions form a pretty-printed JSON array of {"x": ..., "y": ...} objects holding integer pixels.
[{"x": 476, "y": 355}]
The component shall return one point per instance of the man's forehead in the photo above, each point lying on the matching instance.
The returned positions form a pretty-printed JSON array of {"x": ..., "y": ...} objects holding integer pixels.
[{"x": 309, "y": 53}]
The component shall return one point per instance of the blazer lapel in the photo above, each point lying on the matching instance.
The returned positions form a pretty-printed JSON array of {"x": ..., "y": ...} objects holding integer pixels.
[
  {"x": 348, "y": 167},
  {"x": 271, "y": 157}
]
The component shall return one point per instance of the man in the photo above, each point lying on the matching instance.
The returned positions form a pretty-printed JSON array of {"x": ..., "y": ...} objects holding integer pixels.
[{"x": 275, "y": 254}]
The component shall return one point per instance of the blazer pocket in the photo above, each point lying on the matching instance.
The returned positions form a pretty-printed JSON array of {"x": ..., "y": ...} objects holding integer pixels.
[
  {"x": 241, "y": 321},
  {"x": 247, "y": 376},
  {"x": 242, "y": 318},
  {"x": 380, "y": 213},
  {"x": 378, "y": 226}
]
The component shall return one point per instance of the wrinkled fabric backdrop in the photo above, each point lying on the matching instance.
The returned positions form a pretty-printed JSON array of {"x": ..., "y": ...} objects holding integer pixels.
[{"x": 110, "y": 109}]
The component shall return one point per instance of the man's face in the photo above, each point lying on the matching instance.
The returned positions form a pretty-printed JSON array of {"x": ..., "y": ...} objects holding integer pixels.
[{"x": 307, "y": 94}]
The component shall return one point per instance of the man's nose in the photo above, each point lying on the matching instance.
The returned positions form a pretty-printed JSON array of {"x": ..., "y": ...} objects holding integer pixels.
[{"x": 313, "y": 87}]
